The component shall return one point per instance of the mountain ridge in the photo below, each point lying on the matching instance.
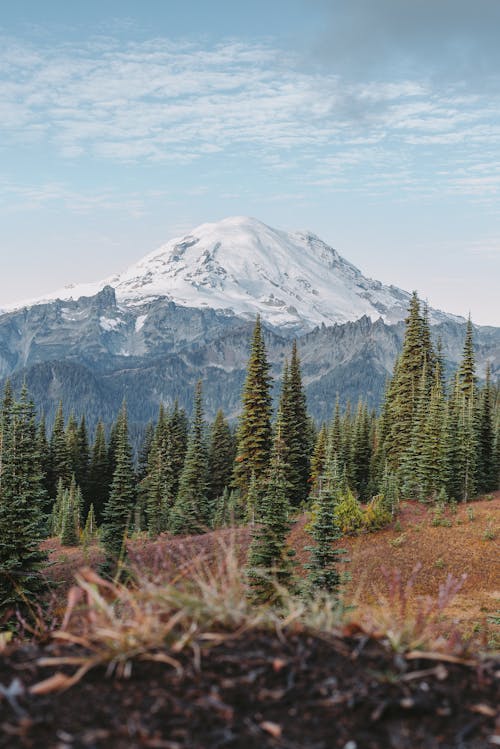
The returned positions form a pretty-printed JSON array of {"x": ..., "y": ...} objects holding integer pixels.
[{"x": 240, "y": 265}]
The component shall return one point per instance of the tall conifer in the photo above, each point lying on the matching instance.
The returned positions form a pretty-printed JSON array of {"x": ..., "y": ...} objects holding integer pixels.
[{"x": 254, "y": 433}]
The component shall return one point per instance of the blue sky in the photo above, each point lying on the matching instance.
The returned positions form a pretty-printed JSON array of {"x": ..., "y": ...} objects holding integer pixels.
[{"x": 375, "y": 124}]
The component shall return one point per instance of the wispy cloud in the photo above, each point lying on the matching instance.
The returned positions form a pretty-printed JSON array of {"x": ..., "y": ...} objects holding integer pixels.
[{"x": 164, "y": 101}]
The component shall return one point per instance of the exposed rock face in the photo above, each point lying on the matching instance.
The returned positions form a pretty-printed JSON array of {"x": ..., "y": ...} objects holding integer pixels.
[
  {"x": 93, "y": 352},
  {"x": 187, "y": 310}
]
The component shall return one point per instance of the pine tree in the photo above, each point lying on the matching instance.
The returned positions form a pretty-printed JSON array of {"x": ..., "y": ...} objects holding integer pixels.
[
  {"x": 467, "y": 371},
  {"x": 82, "y": 464},
  {"x": 432, "y": 458},
  {"x": 220, "y": 456},
  {"x": 389, "y": 490},
  {"x": 98, "y": 481},
  {"x": 144, "y": 451},
  {"x": 295, "y": 430},
  {"x": 192, "y": 512},
  {"x": 362, "y": 451},
  {"x": 90, "y": 530},
  {"x": 323, "y": 569},
  {"x": 60, "y": 459},
  {"x": 119, "y": 510},
  {"x": 178, "y": 426},
  {"x": 404, "y": 392},
  {"x": 254, "y": 433},
  {"x": 487, "y": 469},
  {"x": 22, "y": 501},
  {"x": 318, "y": 459},
  {"x": 43, "y": 449},
  {"x": 70, "y": 516},
  {"x": 159, "y": 482},
  {"x": 411, "y": 465},
  {"x": 269, "y": 556}
]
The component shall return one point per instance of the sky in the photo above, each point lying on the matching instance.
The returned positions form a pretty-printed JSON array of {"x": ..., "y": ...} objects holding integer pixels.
[{"x": 373, "y": 123}]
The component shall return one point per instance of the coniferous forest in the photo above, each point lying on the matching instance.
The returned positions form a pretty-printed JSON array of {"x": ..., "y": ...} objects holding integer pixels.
[{"x": 435, "y": 440}]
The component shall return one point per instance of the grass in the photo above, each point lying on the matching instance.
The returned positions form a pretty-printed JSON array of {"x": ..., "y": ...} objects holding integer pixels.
[
  {"x": 159, "y": 615},
  {"x": 190, "y": 593}
]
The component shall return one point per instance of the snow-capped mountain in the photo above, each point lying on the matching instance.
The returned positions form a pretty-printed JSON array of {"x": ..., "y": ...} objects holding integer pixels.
[{"x": 294, "y": 280}]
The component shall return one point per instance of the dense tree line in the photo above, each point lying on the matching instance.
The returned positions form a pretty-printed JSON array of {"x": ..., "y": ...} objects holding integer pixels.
[{"x": 434, "y": 440}]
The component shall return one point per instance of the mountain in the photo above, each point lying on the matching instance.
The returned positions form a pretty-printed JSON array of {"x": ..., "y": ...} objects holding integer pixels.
[
  {"x": 187, "y": 311},
  {"x": 294, "y": 280}
]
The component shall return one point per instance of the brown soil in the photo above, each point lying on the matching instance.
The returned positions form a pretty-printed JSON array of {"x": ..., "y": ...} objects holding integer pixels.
[{"x": 260, "y": 690}]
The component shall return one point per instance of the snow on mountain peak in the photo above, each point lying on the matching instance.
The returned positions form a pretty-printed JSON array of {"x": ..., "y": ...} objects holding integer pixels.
[{"x": 294, "y": 280}]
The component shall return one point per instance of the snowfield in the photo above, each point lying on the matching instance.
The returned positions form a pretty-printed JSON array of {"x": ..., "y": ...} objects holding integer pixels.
[{"x": 294, "y": 280}]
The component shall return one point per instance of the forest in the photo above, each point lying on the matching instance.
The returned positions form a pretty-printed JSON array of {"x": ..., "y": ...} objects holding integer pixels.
[{"x": 434, "y": 441}]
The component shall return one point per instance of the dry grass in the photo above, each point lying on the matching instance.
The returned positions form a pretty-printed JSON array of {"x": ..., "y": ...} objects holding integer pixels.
[{"x": 199, "y": 582}]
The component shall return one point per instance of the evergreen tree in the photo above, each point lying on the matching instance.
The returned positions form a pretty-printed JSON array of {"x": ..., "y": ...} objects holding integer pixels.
[
  {"x": 82, "y": 464},
  {"x": 119, "y": 510},
  {"x": 318, "y": 459},
  {"x": 72, "y": 441},
  {"x": 432, "y": 458},
  {"x": 389, "y": 490},
  {"x": 60, "y": 459},
  {"x": 144, "y": 451},
  {"x": 220, "y": 456},
  {"x": 411, "y": 465},
  {"x": 254, "y": 433},
  {"x": 178, "y": 427},
  {"x": 43, "y": 450},
  {"x": 159, "y": 482},
  {"x": 192, "y": 512},
  {"x": 452, "y": 446},
  {"x": 90, "y": 529},
  {"x": 98, "y": 481},
  {"x": 487, "y": 469},
  {"x": 323, "y": 569},
  {"x": 362, "y": 451},
  {"x": 295, "y": 430},
  {"x": 71, "y": 516},
  {"x": 405, "y": 391},
  {"x": 467, "y": 371},
  {"x": 269, "y": 556},
  {"x": 21, "y": 506}
]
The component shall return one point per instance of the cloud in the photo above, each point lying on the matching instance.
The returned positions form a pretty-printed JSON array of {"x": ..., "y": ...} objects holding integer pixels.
[
  {"x": 179, "y": 102},
  {"x": 455, "y": 39}
]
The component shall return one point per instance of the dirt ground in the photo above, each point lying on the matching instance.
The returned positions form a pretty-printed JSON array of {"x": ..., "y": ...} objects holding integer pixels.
[{"x": 259, "y": 690}]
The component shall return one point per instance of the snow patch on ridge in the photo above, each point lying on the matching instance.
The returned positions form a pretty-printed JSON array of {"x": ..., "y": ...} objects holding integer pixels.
[{"x": 240, "y": 265}]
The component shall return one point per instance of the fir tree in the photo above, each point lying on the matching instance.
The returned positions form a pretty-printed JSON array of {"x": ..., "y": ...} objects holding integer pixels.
[
  {"x": 60, "y": 459},
  {"x": 192, "y": 512},
  {"x": 43, "y": 450},
  {"x": 269, "y": 557},
  {"x": 467, "y": 371},
  {"x": 254, "y": 433},
  {"x": 98, "y": 481},
  {"x": 70, "y": 516},
  {"x": 144, "y": 451},
  {"x": 361, "y": 451},
  {"x": 220, "y": 456},
  {"x": 119, "y": 510},
  {"x": 295, "y": 430},
  {"x": 323, "y": 569},
  {"x": 318, "y": 459},
  {"x": 405, "y": 391},
  {"x": 487, "y": 469},
  {"x": 432, "y": 458},
  {"x": 21, "y": 506},
  {"x": 159, "y": 482},
  {"x": 82, "y": 464},
  {"x": 90, "y": 529},
  {"x": 178, "y": 427}
]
